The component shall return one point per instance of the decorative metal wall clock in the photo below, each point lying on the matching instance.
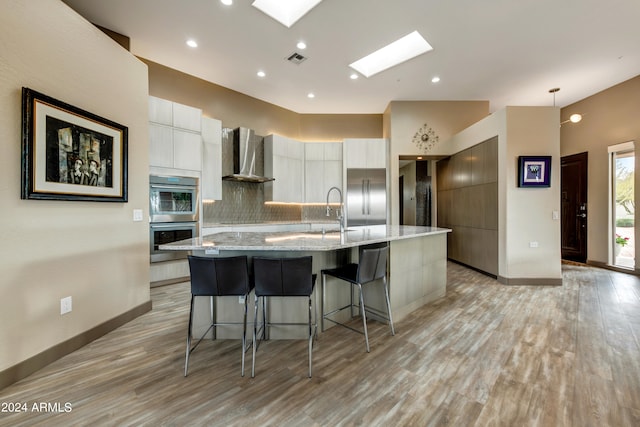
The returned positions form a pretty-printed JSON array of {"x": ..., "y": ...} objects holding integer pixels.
[{"x": 425, "y": 138}]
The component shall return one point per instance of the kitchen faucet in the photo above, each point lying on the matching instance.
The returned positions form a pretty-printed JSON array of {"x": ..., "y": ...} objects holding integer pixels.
[{"x": 339, "y": 212}]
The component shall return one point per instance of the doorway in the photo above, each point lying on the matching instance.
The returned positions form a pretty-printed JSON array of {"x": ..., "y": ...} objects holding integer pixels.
[
  {"x": 573, "y": 171},
  {"x": 414, "y": 192}
]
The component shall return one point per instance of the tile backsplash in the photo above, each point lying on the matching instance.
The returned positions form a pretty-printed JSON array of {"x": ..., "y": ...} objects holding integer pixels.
[{"x": 243, "y": 203}]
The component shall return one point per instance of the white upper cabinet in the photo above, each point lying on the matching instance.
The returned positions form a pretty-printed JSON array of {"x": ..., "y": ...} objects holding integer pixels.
[
  {"x": 160, "y": 111},
  {"x": 322, "y": 169},
  {"x": 284, "y": 161},
  {"x": 175, "y": 139},
  {"x": 365, "y": 153},
  {"x": 188, "y": 118},
  {"x": 187, "y": 150},
  {"x": 211, "y": 183},
  {"x": 160, "y": 145}
]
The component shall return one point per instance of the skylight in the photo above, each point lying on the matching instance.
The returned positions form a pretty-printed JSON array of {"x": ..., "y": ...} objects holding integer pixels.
[
  {"x": 286, "y": 12},
  {"x": 399, "y": 51}
]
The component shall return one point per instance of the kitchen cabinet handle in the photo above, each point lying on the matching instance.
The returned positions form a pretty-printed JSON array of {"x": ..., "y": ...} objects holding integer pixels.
[
  {"x": 368, "y": 197},
  {"x": 172, "y": 187}
]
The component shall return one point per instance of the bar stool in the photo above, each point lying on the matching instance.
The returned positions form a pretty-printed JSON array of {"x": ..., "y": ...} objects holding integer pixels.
[
  {"x": 282, "y": 277},
  {"x": 371, "y": 267},
  {"x": 216, "y": 277}
]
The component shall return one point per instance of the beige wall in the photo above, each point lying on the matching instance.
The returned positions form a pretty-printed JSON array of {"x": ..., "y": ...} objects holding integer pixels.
[
  {"x": 236, "y": 109},
  {"x": 609, "y": 117},
  {"x": 402, "y": 119},
  {"x": 524, "y": 215},
  {"x": 531, "y": 131},
  {"x": 52, "y": 249},
  {"x": 336, "y": 127}
]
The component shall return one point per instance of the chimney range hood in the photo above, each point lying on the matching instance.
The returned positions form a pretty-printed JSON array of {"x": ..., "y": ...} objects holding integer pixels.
[{"x": 246, "y": 157}]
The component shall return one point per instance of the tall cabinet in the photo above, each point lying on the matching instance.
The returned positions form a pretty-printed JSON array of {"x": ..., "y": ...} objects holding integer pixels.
[
  {"x": 467, "y": 184},
  {"x": 211, "y": 182}
]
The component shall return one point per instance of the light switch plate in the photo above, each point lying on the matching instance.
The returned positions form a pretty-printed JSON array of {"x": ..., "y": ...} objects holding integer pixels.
[
  {"x": 65, "y": 305},
  {"x": 555, "y": 215},
  {"x": 137, "y": 214}
]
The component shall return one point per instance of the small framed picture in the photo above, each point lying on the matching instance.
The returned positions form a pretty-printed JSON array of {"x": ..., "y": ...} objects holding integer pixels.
[
  {"x": 69, "y": 153},
  {"x": 534, "y": 171}
]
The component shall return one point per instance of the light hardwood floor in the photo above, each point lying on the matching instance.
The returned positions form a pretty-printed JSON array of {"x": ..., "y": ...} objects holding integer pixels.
[{"x": 485, "y": 355}]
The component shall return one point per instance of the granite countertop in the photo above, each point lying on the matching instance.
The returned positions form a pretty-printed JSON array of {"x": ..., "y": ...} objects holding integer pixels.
[{"x": 311, "y": 240}]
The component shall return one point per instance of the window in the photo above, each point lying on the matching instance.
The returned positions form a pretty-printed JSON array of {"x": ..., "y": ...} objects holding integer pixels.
[{"x": 622, "y": 200}]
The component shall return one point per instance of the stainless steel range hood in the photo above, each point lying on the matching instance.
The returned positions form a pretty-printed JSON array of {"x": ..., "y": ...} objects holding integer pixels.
[{"x": 247, "y": 157}]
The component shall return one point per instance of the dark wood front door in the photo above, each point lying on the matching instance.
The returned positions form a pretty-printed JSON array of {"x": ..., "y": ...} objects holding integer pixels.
[{"x": 574, "y": 207}]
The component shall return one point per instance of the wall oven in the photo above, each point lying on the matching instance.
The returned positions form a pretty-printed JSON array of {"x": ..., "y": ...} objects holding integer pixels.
[
  {"x": 168, "y": 232},
  {"x": 173, "y": 199},
  {"x": 173, "y": 214}
]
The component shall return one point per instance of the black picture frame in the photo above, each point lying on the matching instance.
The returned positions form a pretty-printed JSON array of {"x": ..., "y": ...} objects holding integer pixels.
[
  {"x": 71, "y": 154},
  {"x": 534, "y": 171}
]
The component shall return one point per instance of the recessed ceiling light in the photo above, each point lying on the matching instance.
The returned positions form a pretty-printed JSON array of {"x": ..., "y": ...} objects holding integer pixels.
[
  {"x": 261, "y": 73},
  {"x": 192, "y": 43},
  {"x": 301, "y": 45},
  {"x": 227, "y": 2},
  {"x": 353, "y": 76},
  {"x": 399, "y": 51},
  {"x": 286, "y": 12},
  {"x": 310, "y": 95},
  {"x": 436, "y": 79}
]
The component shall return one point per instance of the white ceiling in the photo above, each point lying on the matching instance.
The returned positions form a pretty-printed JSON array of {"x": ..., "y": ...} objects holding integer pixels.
[{"x": 510, "y": 52}]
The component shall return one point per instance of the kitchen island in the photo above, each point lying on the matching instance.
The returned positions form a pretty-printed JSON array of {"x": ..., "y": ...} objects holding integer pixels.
[{"x": 417, "y": 271}]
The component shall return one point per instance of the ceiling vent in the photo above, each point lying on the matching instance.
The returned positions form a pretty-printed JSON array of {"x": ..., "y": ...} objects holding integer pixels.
[{"x": 296, "y": 58}]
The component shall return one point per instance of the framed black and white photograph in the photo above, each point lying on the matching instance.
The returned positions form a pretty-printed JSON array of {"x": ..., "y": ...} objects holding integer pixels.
[
  {"x": 534, "y": 171},
  {"x": 69, "y": 153}
]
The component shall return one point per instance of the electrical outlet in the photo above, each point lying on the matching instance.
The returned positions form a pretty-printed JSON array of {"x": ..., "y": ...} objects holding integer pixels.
[
  {"x": 241, "y": 299},
  {"x": 533, "y": 244},
  {"x": 65, "y": 305}
]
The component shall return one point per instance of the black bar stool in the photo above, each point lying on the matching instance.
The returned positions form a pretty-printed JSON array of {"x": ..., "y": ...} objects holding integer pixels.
[
  {"x": 282, "y": 277},
  {"x": 371, "y": 267},
  {"x": 216, "y": 277}
]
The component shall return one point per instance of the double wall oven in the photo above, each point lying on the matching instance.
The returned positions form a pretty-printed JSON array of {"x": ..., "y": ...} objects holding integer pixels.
[{"x": 173, "y": 212}]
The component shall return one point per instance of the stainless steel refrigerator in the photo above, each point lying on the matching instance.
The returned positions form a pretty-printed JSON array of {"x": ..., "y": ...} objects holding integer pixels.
[{"x": 366, "y": 197}]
